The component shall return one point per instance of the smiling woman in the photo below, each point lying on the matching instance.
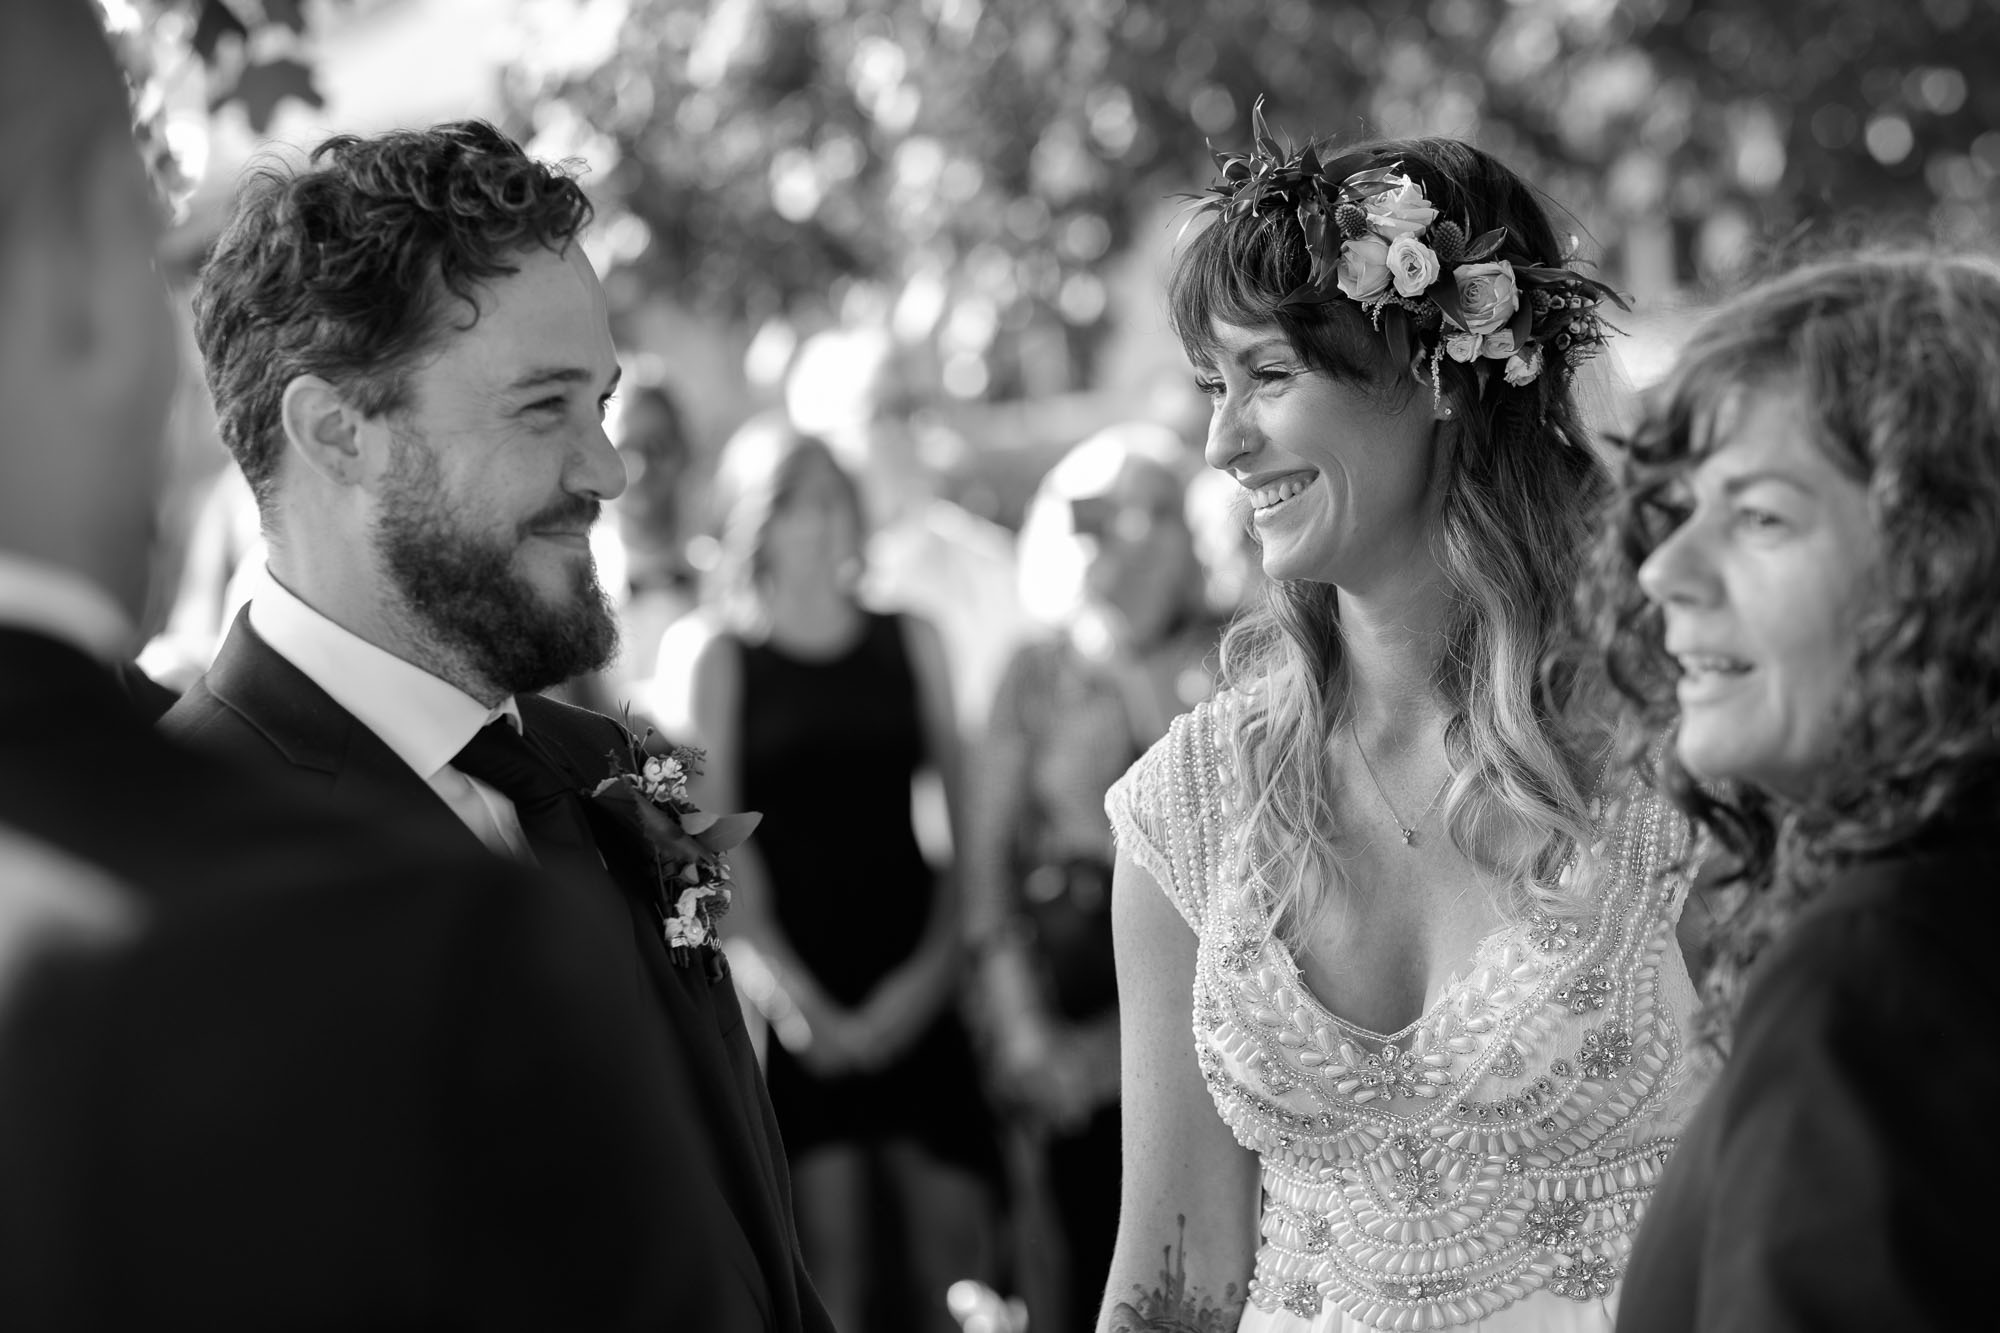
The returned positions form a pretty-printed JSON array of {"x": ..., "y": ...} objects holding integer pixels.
[
  {"x": 1422, "y": 933},
  {"x": 1801, "y": 577}
]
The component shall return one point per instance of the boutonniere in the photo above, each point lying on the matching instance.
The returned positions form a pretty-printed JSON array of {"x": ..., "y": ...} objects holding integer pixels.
[{"x": 691, "y": 872}]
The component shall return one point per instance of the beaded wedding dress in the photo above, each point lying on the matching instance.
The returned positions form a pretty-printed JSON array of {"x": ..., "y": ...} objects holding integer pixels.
[{"x": 1484, "y": 1167}]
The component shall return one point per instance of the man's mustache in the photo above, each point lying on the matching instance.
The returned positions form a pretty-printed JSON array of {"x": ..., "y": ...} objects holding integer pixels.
[{"x": 572, "y": 513}]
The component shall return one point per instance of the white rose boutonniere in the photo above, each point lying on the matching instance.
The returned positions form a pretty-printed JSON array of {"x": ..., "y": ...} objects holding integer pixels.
[
  {"x": 1413, "y": 266},
  {"x": 692, "y": 891}
]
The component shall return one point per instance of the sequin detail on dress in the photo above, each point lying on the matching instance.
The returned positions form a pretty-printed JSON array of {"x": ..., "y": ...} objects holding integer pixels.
[{"x": 1502, "y": 1145}]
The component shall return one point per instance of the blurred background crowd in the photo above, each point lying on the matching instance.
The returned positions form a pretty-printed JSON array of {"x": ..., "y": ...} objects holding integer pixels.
[{"x": 916, "y": 529}]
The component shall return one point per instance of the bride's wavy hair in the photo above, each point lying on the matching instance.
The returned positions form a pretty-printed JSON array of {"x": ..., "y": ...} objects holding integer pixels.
[
  {"x": 1520, "y": 486},
  {"x": 1895, "y": 360}
]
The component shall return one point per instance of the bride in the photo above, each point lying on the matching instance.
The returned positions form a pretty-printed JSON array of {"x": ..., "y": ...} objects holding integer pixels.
[{"x": 1423, "y": 934}]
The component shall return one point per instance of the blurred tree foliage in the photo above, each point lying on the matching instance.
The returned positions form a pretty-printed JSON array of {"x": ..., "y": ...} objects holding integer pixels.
[
  {"x": 976, "y": 162},
  {"x": 972, "y": 166}
]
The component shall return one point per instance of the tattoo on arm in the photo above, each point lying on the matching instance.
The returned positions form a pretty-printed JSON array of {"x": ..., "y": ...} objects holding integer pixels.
[{"x": 1174, "y": 1307}]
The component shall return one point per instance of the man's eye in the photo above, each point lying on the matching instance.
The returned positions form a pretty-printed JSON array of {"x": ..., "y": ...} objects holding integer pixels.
[{"x": 1208, "y": 388}]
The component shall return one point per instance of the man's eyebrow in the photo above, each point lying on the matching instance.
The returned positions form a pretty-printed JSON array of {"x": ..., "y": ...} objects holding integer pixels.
[{"x": 547, "y": 375}]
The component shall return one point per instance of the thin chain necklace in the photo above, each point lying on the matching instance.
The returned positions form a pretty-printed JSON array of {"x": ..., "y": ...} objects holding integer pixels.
[{"x": 1409, "y": 831}]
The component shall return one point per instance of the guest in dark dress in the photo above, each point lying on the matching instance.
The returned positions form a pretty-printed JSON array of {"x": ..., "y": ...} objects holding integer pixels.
[
  {"x": 1108, "y": 565},
  {"x": 820, "y": 713},
  {"x": 1802, "y": 578}
]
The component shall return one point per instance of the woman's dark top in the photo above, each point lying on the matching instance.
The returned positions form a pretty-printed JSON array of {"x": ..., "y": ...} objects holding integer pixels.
[
  {"x": 1834, "y": 1177},
  {"x": 829, "y": 748}
]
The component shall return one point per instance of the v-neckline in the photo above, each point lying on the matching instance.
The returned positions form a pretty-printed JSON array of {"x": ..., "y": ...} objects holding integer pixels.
[{"x": 1454, "y": 980}]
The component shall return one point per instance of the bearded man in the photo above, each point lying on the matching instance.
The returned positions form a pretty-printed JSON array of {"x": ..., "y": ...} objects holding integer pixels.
[{"x": 410, "y": 358}]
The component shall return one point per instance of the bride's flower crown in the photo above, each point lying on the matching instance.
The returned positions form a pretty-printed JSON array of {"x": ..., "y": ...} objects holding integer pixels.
[{"x": 1429, "y": 288}]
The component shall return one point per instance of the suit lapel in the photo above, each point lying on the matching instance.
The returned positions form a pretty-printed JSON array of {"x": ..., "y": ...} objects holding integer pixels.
[
  {"x": 316, "y": 734},
  {"x": 705, "y": 1013}
]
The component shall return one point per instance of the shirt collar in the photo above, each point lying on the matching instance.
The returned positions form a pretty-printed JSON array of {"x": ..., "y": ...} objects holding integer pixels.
[
  {"x": 425, "y": 719},
  {"x": 64, "y": 605}
]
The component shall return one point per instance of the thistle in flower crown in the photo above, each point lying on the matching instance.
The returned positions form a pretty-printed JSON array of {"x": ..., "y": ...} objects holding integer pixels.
[{"x": 1432, "y": 289}]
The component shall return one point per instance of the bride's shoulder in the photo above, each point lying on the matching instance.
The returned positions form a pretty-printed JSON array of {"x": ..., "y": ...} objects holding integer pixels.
[
  {"x": 1184, "y": 771},
  {"x": 1199, "y": 739},
  {"x": 1170, "y": 810}
]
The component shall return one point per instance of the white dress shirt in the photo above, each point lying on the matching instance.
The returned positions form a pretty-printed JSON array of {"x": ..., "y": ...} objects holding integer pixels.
[{"x": 424, "y": 719}]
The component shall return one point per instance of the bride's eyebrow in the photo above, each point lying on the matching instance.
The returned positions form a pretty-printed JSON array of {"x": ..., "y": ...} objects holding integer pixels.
[{"x": 1260, "y": 348}]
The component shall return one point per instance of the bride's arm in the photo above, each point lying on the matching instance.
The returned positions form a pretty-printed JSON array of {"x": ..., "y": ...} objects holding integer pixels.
[{"x": 1187, "y": 1227}]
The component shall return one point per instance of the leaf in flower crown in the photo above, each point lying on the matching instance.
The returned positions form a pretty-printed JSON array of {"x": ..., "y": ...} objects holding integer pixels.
[
  {"x": 1344, "y": 169},
  {"x": 1313, "y": 223},
  {"x": 1485, "y": 245},
  {"x": 1445, "y": 292},
  {"x": 1522, "y": 324},
  {"x": 1260, "y": 132},
  {"x": 1308, "y": 293}
]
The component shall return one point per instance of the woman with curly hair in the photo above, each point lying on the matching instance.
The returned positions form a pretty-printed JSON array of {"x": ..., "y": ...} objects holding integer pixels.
[
  {"x": 1424, "y": 937},
  {"x": 1802, "y": 577}
]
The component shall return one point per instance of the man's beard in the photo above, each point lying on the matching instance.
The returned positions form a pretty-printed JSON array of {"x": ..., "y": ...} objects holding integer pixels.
[{"x": 463, "y": 587}]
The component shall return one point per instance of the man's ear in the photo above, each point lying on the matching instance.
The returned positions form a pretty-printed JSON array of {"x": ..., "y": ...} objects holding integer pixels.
[{"x": 323, "y": 429}]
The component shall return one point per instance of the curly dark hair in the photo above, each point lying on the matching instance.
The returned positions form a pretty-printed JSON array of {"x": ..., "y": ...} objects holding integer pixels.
[
  {"x": 1896, "y": 358},
  {"x": 1521, "y": 487},
  {"x": 354, "y": 266}
]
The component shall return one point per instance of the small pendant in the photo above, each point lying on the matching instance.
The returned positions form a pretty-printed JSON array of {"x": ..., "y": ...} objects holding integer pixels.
[{"x": 1408, "y": 834}]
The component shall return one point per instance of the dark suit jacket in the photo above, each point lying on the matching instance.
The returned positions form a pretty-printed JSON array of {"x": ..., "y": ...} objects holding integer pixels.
[
  {"x": 255, "y": 709},
  {"x": 1834, "y": 1176},
  {"x": 346, "y": 1075}
]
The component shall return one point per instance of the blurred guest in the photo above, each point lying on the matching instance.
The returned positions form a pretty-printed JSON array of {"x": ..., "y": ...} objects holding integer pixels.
[
  {"x": 856, "y": 389},
  {"x": 261, "y": 1065},
  {"x": 410, "y": 357},
  {"x": 653, "y": 515},
  {"x": 224, "y": 558},
  {"x": 820, "y": 713},
  {"x": 1802, "y": 579},
  {"x": 642, "y": 559},
  {"x": 1218, "y": 514},
  {"x": 1108, "y": 566}
]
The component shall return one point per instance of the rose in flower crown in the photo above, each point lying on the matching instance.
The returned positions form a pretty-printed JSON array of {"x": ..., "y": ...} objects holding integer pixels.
[{"x": 1433, "y": 289}]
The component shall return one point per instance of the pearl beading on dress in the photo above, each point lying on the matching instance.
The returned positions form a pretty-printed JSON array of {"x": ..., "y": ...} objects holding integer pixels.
[{"x": 1507, "y": 1142}]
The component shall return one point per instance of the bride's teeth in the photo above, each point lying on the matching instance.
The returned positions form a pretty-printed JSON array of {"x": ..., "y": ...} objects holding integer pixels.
[{"x": 1266, "y": 496}]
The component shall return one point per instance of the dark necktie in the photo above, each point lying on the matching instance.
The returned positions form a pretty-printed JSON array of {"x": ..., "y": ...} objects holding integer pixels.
[{"x": 544, "y": 802}]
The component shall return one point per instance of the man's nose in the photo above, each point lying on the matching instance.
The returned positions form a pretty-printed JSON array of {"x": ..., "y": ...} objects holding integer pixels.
[{"x": 596, "y": 468}]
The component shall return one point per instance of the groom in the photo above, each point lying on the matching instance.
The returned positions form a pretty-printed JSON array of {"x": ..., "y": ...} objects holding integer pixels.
[{"x": 410, "y": 358}]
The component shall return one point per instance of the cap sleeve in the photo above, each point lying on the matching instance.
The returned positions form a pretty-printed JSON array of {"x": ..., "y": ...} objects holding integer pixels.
[{"x": 1166, "y": 811}]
